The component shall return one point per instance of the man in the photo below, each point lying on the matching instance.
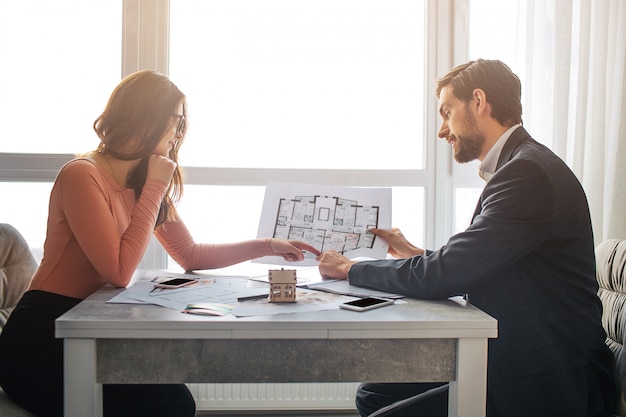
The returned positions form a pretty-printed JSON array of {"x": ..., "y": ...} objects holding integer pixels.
[{"x": 527, "y": 259}]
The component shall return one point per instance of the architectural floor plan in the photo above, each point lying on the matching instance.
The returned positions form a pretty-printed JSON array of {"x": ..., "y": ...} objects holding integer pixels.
[
  {"x": 327, "y": 217},
  {"x": 326, "y": 222}
]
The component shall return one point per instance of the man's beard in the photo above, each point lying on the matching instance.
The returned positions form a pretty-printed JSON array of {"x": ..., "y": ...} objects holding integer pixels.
[{"x": 469, "y": 145}]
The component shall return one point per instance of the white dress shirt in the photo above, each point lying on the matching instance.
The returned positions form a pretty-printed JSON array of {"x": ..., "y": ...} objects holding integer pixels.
[{"x": 487, "y": 167}]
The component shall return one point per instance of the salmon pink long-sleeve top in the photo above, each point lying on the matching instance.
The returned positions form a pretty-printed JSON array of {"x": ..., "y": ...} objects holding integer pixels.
[{"x": 98, "y": 233}]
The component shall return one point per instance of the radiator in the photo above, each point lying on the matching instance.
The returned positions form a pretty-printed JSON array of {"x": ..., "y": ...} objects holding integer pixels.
[{"x": 293, "y": 396}]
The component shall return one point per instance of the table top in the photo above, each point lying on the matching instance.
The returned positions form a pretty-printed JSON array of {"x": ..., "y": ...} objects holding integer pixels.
[{"x": 95, "y": 318}]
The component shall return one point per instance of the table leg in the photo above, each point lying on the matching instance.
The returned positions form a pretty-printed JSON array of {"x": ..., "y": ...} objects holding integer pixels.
[
  {"x": 82, "y": 395},
  {"x": 468, "y": 394}
]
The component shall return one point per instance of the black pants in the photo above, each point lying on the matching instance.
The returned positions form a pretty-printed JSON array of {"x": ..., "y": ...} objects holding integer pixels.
[
  {"x": 372, "y": 397},
  {"x": 31, "y": 367},
  {"x": 585, "y": 392}
]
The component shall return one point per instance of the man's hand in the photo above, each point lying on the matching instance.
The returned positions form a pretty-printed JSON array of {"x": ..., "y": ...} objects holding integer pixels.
[
  {"x": 334, "y": 266},
  {"x": 399, "y": 247}
]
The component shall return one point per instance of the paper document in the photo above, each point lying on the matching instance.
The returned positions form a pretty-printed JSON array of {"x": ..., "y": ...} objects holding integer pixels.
[
  {"x": 306, "y": 300},
  {"x": 312, "y": 279},
  {"x": 342, "y": 286},
  {"x": 326, "y": 217},
  {"x": 218, "y": 290},
  {"x": 219, "y": 295}
]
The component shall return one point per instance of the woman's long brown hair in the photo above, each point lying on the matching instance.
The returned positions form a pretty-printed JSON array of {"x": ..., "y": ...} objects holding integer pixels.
[{"x": 137, "y": 115}]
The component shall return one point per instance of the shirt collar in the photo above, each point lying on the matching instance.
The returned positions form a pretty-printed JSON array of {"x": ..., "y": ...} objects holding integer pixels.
[{"x": 487, "y": 167}]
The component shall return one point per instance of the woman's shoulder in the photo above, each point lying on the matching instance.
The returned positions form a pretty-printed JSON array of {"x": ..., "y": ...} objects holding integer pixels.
[
  {"x": 80, "y": 167},
  {"x": 84, "y": 162}
]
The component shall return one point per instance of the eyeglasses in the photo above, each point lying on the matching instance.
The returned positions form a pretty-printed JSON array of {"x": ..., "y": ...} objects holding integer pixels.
[{"x": 181, "y": 124}]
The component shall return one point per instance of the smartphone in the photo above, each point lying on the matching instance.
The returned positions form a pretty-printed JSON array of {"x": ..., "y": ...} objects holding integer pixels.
[
  {"x": 364, "y": 304},
  {"x": 175, "y": 283}
]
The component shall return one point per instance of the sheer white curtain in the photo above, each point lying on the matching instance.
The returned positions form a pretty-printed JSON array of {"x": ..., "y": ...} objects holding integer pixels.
[{"x": 573, "y": 57}]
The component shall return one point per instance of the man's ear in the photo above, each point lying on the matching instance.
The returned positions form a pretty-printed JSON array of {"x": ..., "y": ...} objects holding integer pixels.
[{"x": 480, "y": 102}]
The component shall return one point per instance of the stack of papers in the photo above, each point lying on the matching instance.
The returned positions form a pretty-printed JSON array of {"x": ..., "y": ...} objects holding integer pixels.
[
  {"x": 208, "y": 309},
  {"x": 343, "y": 287},
  {"x": 221, "y": 295}
]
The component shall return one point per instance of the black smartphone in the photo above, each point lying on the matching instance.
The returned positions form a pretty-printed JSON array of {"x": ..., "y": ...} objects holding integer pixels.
[
  {"x": 364, "y": 304},
  {"x": 175, "y": 283}
]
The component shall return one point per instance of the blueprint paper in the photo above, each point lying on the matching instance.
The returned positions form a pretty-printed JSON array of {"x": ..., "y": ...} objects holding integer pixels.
[
  {"x": 342, "y": 286},
  {"x": 306, "y": 300},
  {"x": 221, "y": 290},
  {"x": 326, "y": 217}
]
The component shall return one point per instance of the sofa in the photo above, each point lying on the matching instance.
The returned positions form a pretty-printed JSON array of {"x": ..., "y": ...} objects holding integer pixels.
[
  {"x": 611, "y": 275},
  {"x": 17, "y": 266}
]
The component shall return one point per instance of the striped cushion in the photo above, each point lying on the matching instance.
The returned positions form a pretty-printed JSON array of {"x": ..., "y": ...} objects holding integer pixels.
[{"x": 611, "y": 275}]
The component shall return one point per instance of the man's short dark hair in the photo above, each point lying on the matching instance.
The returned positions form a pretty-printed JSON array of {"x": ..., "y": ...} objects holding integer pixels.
[{"x": 501, "y": 86}]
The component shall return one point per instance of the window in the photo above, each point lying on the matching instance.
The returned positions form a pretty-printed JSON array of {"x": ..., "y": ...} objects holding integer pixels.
[
  {"x": 333, "y": 90},
  {"x": 485, "y": 19},
  {"x": 313, "y": 84},
  {"x": 61, "y": 59},
  {"x": 27, "y": 210}
]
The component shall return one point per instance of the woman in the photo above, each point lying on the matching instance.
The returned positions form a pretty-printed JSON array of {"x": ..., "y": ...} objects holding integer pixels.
[{"x": 104, "y": 207}]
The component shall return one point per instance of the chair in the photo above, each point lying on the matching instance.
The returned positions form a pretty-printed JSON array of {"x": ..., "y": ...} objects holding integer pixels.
[
  {"x": 17, "y": 266},
  {"x": 611, "y": 275}
]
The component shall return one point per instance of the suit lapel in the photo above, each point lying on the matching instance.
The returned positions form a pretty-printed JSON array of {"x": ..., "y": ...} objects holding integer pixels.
[{"x": 511, "y": 144}]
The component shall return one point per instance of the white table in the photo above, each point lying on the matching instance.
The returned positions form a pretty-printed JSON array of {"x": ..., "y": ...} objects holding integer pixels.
[{"x": 427, "y": 341}]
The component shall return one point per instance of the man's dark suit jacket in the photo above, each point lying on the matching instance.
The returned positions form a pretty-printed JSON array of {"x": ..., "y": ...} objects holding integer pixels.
[{"x": 528, "y": 260}]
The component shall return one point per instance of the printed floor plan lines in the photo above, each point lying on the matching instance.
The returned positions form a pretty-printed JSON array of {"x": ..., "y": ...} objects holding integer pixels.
[
  {"x": 326, "y": 222},
  {"x": 328, "y": 217}
]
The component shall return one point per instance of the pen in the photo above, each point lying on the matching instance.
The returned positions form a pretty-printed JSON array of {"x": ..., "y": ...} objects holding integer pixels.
[{"x": 252, "y": 297}]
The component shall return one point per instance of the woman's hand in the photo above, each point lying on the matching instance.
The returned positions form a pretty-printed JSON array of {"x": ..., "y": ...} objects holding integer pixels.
[
  {"x": 334, "y": 266},
  {"x": 160, "y": 168},
  {"x": 291, "y": 250},
  {"x": 399, "y": 247}
]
